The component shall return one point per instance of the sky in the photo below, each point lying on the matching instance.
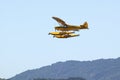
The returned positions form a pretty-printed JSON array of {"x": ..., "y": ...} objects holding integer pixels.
[{"x": 25, "y": 24}]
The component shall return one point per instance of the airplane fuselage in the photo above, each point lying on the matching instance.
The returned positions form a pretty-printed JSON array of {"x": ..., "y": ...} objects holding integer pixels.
[{"x": 69, "y": 28}]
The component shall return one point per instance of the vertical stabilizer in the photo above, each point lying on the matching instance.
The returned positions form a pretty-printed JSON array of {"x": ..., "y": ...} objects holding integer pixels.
[{"x": 84, "y": 26}]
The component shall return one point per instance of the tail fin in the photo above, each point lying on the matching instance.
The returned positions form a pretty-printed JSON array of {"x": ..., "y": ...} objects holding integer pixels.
[{"x": 84, "y": 26}]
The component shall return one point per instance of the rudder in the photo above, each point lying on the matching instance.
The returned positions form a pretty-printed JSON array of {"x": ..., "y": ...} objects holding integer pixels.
[{"x": 85, "y": 25}]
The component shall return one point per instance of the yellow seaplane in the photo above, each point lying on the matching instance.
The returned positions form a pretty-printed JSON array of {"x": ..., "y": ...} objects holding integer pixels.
[
  {"x": 66, "y": 27},
  {"x": 65, "y": 30}
]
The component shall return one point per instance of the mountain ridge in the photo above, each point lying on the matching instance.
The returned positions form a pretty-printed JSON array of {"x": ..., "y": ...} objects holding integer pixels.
[{"x": 100, "y": 69}]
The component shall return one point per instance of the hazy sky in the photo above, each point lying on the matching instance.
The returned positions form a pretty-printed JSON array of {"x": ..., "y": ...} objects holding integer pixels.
[{"x": 25, "y": 24}]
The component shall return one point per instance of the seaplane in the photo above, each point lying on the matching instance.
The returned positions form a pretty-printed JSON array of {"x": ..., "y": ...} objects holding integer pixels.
[{"x": 66, "y": 30}]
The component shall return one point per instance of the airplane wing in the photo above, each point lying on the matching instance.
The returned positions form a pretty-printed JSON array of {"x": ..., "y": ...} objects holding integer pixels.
[{"x": 60, "y": 21}]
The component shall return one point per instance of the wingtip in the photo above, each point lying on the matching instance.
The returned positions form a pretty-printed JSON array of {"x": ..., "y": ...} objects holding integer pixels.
[{"x": 53, "y": 17}]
